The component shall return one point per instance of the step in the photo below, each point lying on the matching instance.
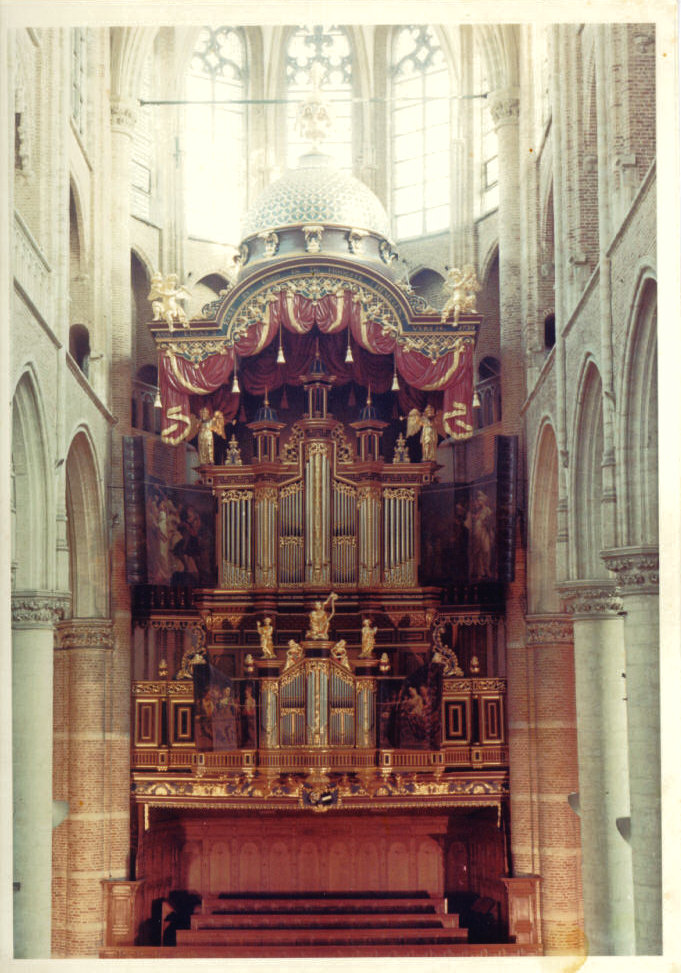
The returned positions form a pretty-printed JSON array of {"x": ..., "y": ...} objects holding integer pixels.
[
  {"x": 288, "y": 920},
  {"x": 312, "y": 937},
  {"x": 461, "y": 949},
  {"x": 321, "y": 904}
]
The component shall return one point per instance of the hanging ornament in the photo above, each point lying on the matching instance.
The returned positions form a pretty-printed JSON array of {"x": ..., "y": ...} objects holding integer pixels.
[
  {"x": 348, "y": 354},
  {"x": 476, "y": 400},
  {"x": 281, "y": 359},
  {"x": 395, "y": 387},
  {"x": 157, "y": 401},
  {"x": 236, "y": 388}
]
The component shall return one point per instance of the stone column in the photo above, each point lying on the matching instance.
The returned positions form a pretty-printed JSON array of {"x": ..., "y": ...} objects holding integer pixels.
[
  {"x": 600, "y": 691},
  {"x": 123, "y": 119},
  {"x": 550, "y": 643},
  {"x": 34, "y": 615},
  {"x": 637, "y": 570},
  {"x": 88, "y": 642},
  {"x": 504, "y": 107}
]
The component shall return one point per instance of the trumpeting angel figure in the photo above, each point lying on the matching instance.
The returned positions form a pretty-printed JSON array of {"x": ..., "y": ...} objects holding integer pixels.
[
  {"x": 462, "y": 286},
  {"x": 425, "y": 422},
  {"x": 164, "y": 296},
  {"x": 204, "y": 427}
]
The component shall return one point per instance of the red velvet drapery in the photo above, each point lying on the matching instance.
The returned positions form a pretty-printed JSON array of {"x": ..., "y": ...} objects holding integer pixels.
[{"x": 374, "y": 351}]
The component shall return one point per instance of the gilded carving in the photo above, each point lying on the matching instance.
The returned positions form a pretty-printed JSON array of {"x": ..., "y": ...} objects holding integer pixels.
[
  {"x": 462, "y": 286},
  {"x": 291, "y": 450},
  {"x": 344, "y": 450},
  {"x": 234, "y": 496}
]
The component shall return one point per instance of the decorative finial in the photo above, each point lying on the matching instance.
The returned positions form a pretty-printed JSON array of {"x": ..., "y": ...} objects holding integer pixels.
[
  {"x": 314, "y": 118},
  {"x": 267, "y": 401},
  {"x": 369, "y": 395}
]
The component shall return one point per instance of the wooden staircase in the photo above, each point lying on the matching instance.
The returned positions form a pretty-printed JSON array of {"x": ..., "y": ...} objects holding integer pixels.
[{"x": 321, "y": 925}]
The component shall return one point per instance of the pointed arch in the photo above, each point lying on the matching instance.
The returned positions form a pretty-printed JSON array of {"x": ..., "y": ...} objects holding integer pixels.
[
  {"x": 638, "y": 420},
  {"x": 32, "y": 490},
  {"x": 587, "y": 477},
  {"x": 88, "y": 562},
  {"x": 543, "y": 524}
]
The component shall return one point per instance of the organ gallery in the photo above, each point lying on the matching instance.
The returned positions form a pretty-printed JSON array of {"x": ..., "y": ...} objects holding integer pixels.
[{"x": 324, "y": 675}]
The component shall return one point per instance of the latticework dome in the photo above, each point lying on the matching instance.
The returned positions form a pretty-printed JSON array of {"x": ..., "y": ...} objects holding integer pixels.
[{"x": 317, "y": 192}]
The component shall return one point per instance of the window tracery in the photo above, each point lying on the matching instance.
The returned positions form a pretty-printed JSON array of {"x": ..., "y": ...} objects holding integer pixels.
[
  {"x": 421, "y": 125},
  {"x": 216, "y": 133}
]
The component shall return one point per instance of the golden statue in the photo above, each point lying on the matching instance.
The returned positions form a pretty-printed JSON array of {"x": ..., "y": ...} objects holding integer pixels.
[
  {"x": 266, "y": 641},
  {"x": 204, "y": 427},
  {"x": 164, "y": 296},
  {"x": 319, "y": 620},
  {"x": 340, "y": 653},
  {"x": 368, "y": 639},
  {"x": 462, "y": 286},
  {"x": 425, "y": 422},
  {"x": 294, "y": 653}
]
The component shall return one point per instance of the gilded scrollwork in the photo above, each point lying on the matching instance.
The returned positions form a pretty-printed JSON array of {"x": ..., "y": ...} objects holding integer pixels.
[
  {"x": 344, "y": 451},
  {"x": 291, "y": 450}
]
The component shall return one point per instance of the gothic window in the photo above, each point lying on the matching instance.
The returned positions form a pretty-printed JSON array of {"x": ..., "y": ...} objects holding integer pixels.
[
  {"x": 142, "y": 159},
  {"x": 78, "y": 77},
  {"x": 420, "y": 127},
  {"x": 216, "y": 130},
  {"x": 328, "y": 47},
  {"x": 486, "y": 146}
]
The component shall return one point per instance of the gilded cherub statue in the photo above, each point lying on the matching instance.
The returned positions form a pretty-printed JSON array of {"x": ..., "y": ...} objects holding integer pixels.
[
  {"x": 368, "y": 639},
  {"x": 462, "y": 286},
  {"x": 425, "y": 422},
  {"x": 340, "y": 653},
  {"x": 294, "y": 653},
  {"x": 204, "y": 427},
  {"x": 265, "y": 631},
  {"x": 319, "y": 620},
  {"x": 164, "y": 296}
]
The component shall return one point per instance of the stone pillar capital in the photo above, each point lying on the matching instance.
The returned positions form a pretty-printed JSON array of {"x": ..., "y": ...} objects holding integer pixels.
[
  {"x": 591, "y": 599},
  {"x": 549, "y": 629},
  {"x": 123, "y": 116},
  {"x": 504, "y": 106},
  {"x": 38, "y": 609},
  {"x": 637, "y": 569},
  {"x": 85, "y": 633}
]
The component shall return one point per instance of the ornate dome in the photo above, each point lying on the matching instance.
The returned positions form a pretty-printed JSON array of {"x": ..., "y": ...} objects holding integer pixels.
[{"x": 316, "y": 192}]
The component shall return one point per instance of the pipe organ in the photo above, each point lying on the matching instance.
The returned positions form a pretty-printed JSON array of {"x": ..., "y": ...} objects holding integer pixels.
[{"x": 314, "y": 510}]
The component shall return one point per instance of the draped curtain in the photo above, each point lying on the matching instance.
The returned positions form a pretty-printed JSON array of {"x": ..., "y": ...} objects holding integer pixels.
[{"x": 340, "y": 318}]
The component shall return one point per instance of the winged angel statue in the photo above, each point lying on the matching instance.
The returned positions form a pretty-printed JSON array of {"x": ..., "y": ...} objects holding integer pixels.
[
  {"x": 424, "y": 421},
  {"x": 204, "y": 427},
  {"x": 164, "y": 296}
]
